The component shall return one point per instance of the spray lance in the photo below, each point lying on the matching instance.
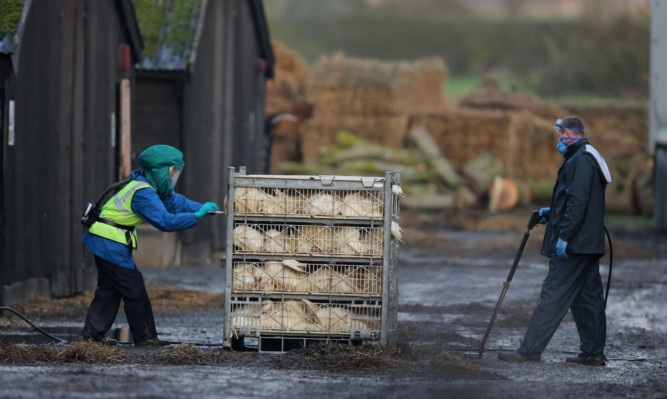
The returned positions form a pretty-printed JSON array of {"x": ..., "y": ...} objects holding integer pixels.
[{"x": 534, "y": 219}]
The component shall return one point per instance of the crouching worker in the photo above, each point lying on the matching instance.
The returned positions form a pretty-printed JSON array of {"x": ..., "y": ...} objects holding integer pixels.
[
  {"x": 148, "y": 197},
  {"x": 574, "y": 243}
]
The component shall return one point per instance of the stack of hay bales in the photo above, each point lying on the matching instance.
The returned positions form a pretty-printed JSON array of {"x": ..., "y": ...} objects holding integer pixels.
[
  {"x": 286, "y": 93},
  {"x": 370, "y": 98},
  {"x": 524, "y": 145},
  {"x": 489, "y": 95}
]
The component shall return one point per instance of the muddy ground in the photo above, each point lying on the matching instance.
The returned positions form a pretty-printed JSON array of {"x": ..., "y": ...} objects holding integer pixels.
[{"x": 450, "y": 276}]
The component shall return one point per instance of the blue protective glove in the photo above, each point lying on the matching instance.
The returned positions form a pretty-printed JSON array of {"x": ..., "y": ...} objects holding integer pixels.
[
  {"x": 561, "y": 246},
  {"x": 207, "y": 207},
  {"x": 544, "y": 212}
]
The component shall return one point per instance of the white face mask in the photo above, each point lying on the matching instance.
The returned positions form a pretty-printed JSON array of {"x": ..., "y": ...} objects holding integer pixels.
[{"x": 175, "y": 176}]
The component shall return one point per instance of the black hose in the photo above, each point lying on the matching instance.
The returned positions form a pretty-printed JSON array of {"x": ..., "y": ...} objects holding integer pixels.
[
  {"x": 611, "y": 263},
  {"x": 53, "y": 337},
  {"x": 60, "y": 341}
]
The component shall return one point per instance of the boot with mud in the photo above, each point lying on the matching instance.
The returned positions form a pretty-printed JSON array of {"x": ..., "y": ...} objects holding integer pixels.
[
  {"x": 515, "y": 357},
  {"x": 587, "y": 360}
]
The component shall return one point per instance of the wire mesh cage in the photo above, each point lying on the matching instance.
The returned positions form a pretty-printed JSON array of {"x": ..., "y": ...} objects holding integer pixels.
[
  {"x": 304, "y": 202},
  {"x": 261, "y": 315},
  {"x": 311, "y": 256},
  {"x": 308, "y": 239},
  {"x": 292, "y": 276}
]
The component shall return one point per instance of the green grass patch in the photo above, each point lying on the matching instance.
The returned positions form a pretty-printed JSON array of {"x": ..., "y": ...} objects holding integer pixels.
[{"x": 600, "y": 101}]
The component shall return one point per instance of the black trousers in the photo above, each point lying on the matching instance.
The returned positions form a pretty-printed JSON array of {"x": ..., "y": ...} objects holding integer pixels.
[
  {"x": 573, "y": 284},
  {"x": 113, "y": 283}
]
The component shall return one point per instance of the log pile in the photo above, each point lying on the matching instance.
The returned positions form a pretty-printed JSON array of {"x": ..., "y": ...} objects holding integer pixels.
[
  {"x": 427, "y": 176},
  {"x": 363, "y": 117}
]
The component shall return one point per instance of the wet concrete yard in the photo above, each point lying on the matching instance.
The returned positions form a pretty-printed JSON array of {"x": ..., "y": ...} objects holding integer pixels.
[{"x": 448, "y": 287}]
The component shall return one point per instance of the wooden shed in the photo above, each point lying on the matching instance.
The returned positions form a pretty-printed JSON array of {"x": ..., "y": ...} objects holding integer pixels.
[
  {"x": 201, "y": 87},
  {"x": 66, "y": 77}
]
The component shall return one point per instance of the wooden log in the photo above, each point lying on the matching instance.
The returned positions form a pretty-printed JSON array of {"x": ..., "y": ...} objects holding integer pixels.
[
  {"x": 479, "y": 173},
  {"x": 434, "y": 158},
  {"x": 336, "y": 155},
  {"x": 503, "y": 195}
]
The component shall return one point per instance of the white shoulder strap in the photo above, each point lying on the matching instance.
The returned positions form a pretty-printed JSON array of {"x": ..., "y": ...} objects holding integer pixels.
[{"x": 603, "y": 165}]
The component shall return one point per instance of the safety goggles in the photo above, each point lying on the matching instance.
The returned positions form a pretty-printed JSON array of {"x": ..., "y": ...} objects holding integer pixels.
[
  {"x": 175, "y": 173},
  {"x": 560, "y": 128}
]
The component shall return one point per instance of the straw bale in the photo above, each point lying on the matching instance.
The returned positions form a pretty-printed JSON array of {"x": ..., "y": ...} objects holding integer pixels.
[
  {"x": 288, "y": 87},
  {"x": 521, "y": 142},
  {"x": 389, "y": 131},
  {"x": 343, "y": 86},
  {"x": 489, "y": 95},
  {"x": 615, "y": 130}
]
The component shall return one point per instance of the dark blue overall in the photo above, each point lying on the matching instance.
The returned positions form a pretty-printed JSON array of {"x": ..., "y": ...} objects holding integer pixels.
[{"x": 577, "y": 217}]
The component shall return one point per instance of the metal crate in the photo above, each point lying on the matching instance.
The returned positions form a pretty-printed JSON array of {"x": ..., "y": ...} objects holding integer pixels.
[{"x": 310, "y": 258}]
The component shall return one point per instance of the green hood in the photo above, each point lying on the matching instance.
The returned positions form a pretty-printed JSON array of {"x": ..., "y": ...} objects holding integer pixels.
[{"x": 156, "y": 161}]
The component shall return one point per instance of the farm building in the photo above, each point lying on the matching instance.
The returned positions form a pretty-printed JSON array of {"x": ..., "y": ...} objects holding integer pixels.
[
  {"x": 75, "y": 90},
  {"x": 201, "y": 87}
]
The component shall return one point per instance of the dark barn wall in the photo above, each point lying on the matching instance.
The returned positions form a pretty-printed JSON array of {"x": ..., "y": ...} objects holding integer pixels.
[
  {"x": 249, "y": 98},
  {"x": 224, "y": 115},
  {"x": 206, "y": 114},
  {"x": 34, "y": 171},
  {"x": 65, "y": 93},
  {"x": 157, "y": 113}
]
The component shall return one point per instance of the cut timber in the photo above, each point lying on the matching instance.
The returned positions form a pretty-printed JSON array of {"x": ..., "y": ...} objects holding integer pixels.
[
  {"x": 479, "y": 173},
  {"x": 503, "y": 195},
  {"x": 423, "y": 140}
]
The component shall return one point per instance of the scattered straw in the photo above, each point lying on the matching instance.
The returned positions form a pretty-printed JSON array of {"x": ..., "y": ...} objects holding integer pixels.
[
  {"x": 337, "y": 357},
  {"x": 187, "y": 354},
  {"x": 10, "y": 353},
  {"x": 92, "y": 353},
  {"x": 453, "y": 364},
  {"x": 80, "y": 352}
]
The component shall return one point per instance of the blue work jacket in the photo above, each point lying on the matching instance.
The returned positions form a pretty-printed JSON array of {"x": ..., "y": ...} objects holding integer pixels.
[{"x": 174, "y": 213}]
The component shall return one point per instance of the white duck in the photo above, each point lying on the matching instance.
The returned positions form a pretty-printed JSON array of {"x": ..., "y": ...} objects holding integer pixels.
[
  {"x": 397, "y": 190},
  {"x": 397, "y": 232}
]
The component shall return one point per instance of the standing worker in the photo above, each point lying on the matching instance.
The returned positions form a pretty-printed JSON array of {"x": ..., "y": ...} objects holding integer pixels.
[
  {"x": 148, "y": 197},
  {"x": 574, "y": 243}
]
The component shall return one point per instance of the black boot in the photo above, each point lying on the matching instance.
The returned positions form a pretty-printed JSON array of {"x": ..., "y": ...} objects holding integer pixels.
[{"x": 587, "y": 360}]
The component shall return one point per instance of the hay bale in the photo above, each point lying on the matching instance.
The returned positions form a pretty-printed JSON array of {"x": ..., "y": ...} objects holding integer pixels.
[
  {"x": 489, "y": 95},
  {"x": 389, "y": 131},
  {"x": 521, "y": 142},
  {"x": 350, "y": 86},
  {"x": 288, "y": 88},
  {"x": 614, "y": 130}
]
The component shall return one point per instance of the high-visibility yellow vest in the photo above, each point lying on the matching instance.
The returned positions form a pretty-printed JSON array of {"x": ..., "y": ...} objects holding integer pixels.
[{"x": 119, "y": 218}]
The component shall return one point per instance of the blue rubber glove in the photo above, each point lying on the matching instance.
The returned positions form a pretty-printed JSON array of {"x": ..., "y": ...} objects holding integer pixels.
[
  {"x": 561, "y": 246},
  {"x": 207, "y": 207},
  {"x": 544, "y": 212}
]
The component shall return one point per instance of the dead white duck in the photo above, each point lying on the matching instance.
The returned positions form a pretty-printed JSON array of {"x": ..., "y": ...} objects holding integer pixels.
[
  {"x": 397, "y": 232},
  {"x": 397, "y": 190}
]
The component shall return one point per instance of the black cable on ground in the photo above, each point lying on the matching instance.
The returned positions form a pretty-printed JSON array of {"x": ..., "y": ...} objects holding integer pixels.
[
  {"x": 60, "y": 341},
  {"x": 53, "y": 337}
]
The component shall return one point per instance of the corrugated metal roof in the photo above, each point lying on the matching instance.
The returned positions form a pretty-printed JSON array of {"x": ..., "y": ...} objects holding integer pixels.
[
  {"x": 170, "y": 31},
  {"x": 10, "y": 17}
]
